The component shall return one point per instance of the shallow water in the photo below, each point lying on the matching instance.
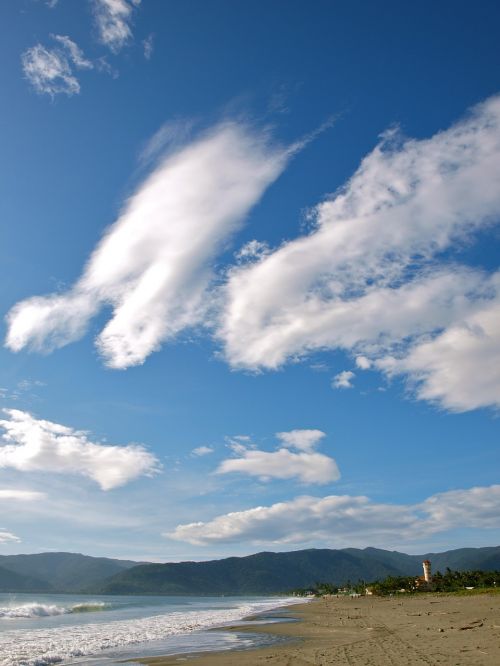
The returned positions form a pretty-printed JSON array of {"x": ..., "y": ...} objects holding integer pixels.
[{"x": 38, "y": 630}]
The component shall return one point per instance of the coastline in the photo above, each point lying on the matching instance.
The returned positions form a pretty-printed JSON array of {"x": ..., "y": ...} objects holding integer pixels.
[{"x": 417, "y": 630}]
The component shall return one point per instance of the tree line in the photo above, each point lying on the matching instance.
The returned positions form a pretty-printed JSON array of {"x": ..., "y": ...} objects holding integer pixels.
[{"x": 450, "y": 581}]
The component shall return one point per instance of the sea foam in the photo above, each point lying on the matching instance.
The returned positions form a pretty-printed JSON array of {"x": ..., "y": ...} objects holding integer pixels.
[
  {"x": 44, "y": 647},
  {"x": 32, "y": 610}
]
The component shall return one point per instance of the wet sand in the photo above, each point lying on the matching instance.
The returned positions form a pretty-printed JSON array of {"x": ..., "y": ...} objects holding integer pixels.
[{"x": 373, "y": 631}]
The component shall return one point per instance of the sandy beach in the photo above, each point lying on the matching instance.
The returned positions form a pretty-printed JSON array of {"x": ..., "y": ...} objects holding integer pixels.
[{"x": 373, "y": 631}]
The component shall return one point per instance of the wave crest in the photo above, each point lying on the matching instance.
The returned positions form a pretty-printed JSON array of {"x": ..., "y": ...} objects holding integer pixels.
[{"x": 35, "y": 609}]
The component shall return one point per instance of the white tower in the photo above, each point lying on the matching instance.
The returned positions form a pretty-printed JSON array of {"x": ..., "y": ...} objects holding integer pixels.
[{"x": 427, "y": 571}]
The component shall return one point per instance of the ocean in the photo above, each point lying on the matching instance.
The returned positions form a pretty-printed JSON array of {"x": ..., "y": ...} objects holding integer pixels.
[{"x": 39, "y": 630}]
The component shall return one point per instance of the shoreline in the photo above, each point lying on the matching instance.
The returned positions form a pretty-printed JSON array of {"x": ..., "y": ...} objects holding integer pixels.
[{"x": 418, "y": 630}]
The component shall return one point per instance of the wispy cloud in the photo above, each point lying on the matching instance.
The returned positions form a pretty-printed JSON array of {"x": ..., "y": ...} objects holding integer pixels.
[
  {"x": 147, "y": 45},
  {"x": 370, "y": 278},
  {"x": 75, "y": 53},
  {"x": 8, "y": 537},
  {"x": 252, "y": 251},
  {"x": 153, "y": 265},
  {"x": 341, "y": 520},
  {"x": 171, "y": 137},
  {"x": 200, "y": 451},
  {"x": 31, "y": 444},
  {"x": 21, "y": 495},
  {"x": 25, "y": 388},
  {"x": 49, "y": 70},
  {"x": 295, "y": 459},
  {"x": 113, "y": 19}
]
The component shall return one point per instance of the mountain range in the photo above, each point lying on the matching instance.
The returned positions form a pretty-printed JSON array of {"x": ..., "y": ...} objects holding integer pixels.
[
  {"x": 57, "y": 572},
  {"x": 262, "y": 573}
]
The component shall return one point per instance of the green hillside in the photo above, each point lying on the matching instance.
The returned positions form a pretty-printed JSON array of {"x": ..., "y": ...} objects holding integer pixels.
[
  {"x": 64, "y": 572},
  {"x": 262, "y": 573},
  {"x": 274, "y": 573},
  {"x": 14, "y": 582}
]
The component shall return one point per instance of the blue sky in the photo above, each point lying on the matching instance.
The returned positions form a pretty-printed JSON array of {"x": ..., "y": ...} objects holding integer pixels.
[{"x": 250, "y": 281}]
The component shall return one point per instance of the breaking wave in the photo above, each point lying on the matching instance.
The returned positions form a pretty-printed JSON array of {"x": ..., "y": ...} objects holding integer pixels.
[
  {"x": 44, "y": 647},
  {"x": 46, "y": 610}
]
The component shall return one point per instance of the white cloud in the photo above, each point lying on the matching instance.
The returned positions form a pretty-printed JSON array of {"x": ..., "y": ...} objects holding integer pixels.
[
  {"x": 363, "y": 363},
  {"x": 338, "y": 520},
  {"x": 474, "y": 507},
  {"x": 307, "y": 466},
  {"x": 460, "y": 368},
  {"x": 171, "y": 137},
  {"x": 153, "y": 264},
  {"x": 8, "y": 537},
  {"x": 113, "y": 19},
  {"x": 21, "y": 495},
  {"x": 283, "y": 464},
  {"x": 343, "y": 380},
  {"x": 74, "y": 52},
  {"x": 303, "y": 519},
  {"x": 370, "y": 276},
  {"x": 49, "y": 70},
  {"x": 31, "y": 444},
  {"x": 252, "y": 251},
  {"x": 202, "y": 451},
  {"x": 302, "y": 439},
  {"x": 148, "y": 46}
]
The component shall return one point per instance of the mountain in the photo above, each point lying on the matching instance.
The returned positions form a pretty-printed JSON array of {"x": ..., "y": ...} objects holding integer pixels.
[
  {"x": 262, "y": 573},
  {"x": 273, "y": 573},
  {"x": 486, "y": 559},
  {"x": 58, "y": 572},
  {"x": 13, "y": 582}
]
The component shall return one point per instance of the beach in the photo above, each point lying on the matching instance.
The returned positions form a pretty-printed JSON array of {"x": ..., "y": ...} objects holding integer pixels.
[
  {"x": 416, "y": 630},
  {"x": 42, "y": 630}
]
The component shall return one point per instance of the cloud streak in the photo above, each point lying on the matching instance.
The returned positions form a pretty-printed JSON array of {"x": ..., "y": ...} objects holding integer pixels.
[
  {"x": 35, "y": 445},
  {"x": 21, "y": 495},
  {"x": 338, "y": 520},
  {"x": 371, "y": 277},
  {"x": 201, "y": 451},
  {"x": 153, "y": 264},
  {"x": 378, "y": 276},
  {"x": 8, "y": 537}
]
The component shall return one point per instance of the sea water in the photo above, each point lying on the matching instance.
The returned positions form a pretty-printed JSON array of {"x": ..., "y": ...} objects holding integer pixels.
[{"x": 39, "y": 630}]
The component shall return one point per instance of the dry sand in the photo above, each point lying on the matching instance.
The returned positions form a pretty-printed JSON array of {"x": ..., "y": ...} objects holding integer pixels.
[{"x": 372, "y": 631}]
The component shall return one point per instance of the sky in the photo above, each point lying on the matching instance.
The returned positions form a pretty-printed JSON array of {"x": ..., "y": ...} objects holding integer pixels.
[{"x": 250, "y": 277}]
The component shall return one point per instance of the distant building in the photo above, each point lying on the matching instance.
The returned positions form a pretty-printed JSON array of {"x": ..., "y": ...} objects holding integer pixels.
[
  {"x": 425, "y": 581},
  {"x": 427, "y": 571}
]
